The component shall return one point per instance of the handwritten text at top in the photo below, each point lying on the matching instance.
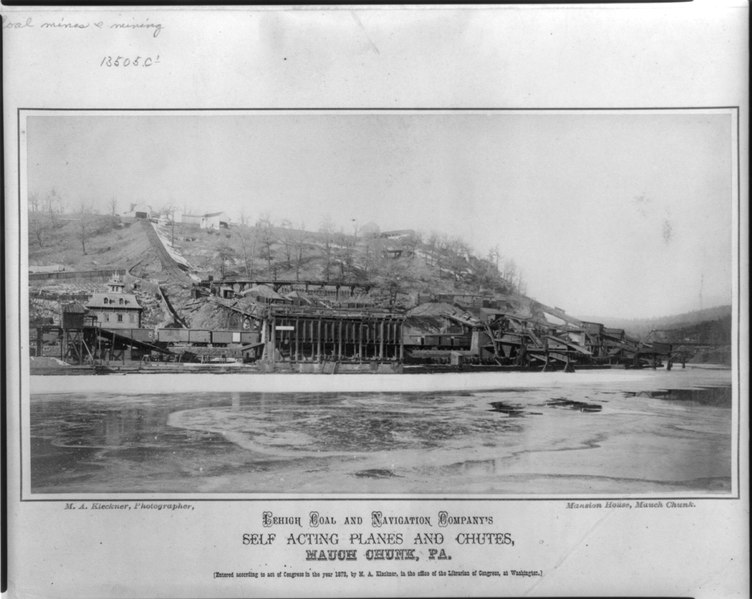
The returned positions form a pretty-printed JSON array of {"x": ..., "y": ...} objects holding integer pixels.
[{"x": 64, "y": 23}]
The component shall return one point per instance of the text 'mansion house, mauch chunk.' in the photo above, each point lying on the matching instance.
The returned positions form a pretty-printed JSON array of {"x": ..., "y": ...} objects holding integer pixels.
[{"x": 115, "y": 309}]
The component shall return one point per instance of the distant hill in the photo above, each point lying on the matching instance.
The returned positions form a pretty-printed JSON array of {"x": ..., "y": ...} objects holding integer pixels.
[{"x": 641, "y": 327}]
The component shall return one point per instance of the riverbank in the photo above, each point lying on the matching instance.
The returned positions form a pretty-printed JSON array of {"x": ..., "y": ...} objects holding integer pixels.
[{"x": 187, "y": 382}]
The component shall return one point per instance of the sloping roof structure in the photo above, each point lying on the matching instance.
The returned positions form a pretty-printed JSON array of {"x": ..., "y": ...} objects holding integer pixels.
[
  {"x": 302, "y": 298},
  {"x": 263, "y": 291},
  {"x": 121, "y": 301},
  {"x": 74, "y": 308},
  {"x": 431, "y": 314}
]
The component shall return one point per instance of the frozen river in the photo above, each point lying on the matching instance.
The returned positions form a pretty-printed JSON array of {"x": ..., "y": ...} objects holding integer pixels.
[{"x": 643, "y": 432}]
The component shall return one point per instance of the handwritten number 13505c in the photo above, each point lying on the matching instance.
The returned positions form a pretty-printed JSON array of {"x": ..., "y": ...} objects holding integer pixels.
[{"x": 127, "y": 61}]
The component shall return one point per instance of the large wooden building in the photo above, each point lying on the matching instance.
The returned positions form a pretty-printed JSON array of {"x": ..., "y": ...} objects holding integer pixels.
[{"x": 115, "y": 309}]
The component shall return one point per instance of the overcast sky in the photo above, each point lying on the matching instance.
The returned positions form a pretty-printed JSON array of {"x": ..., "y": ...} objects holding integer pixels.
[{"x": 625, "y": 214}]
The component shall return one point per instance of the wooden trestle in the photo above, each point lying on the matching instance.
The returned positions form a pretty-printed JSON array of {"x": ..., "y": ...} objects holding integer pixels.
[{"x": 324, "y": 336}]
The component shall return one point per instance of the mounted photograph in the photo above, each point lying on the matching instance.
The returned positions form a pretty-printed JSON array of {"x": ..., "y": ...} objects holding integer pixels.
[{"x": 426, "y": 302}]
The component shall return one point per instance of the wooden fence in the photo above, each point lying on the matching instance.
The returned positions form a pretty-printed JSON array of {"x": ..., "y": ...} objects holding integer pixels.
[{"x": 102, "y": 274}]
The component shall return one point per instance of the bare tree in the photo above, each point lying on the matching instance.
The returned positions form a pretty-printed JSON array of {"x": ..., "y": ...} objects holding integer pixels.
[
  {"x": 38, "y": 228},
  {"x": 299, "y": 247},
  {"x": 521, "y": 285},
  {"x": 33, "y": 202},
  {"x": 224, "y": 254},
  {"x": 395, "y": 276},
  {"x": 113, "y": 206},
  {"x": 267, "y": 239},
  {"x": 512, "y": 275},
  {"x": 327, "y": 231},
  {"x": 494, "y": 255},
  {"x": 288, "y": 241},
  {"x": 83, "y": 230},
  {"x": 44, "y": 215},
  {"x": 53, "y": 207},
  {"x": 457, "y": 252},
  {"x": 38, "y": 223},
  {"x": 345, "y": 246},
  {"x": 248, "y": 247},
  {"x": 373, "y": 256},
  {"x": 432, "y": 243},
  {"x": 442, "y": 254}
]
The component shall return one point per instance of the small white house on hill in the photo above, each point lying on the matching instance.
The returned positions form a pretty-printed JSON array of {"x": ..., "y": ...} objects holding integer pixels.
[
  {"x": 214, "y": 220},
  {"x": 190, "y": 219}
]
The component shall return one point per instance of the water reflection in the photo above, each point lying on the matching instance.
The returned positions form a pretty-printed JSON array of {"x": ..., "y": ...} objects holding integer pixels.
[
  {"x": 705, "y": 396},
  {"x": 514, "y": 441}
]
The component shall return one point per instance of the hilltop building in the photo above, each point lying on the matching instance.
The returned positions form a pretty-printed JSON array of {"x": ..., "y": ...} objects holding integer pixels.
[
  {"x": 400, "y": 234},
  {"x": 207, "y": 220},
  {"x": 115, "y": 309},
  {"x": 139, "y": 211},
  {"x": 190, "y": 219},
  {"x": 214, "y": 220}
]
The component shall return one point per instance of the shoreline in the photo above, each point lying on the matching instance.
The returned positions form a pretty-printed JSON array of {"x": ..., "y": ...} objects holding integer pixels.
[{"x": 139, "y": 384}]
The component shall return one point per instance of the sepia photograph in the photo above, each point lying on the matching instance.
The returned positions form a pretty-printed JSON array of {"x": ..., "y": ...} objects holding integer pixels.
[{"x": 512, "y": 303}]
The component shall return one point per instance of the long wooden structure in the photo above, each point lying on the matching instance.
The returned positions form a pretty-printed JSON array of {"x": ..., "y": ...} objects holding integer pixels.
[{"x": 291, "y": 335}]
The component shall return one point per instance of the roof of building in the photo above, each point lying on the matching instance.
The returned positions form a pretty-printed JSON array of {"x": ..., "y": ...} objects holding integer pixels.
[
  {"x": 262, "y": 291},
  {"x": 398, "y": 233},
  {"x": 431, "y": 311},
  {"x": 97, "y": 300},
  {"x": 74, "y": 308},
  {"x": 301, "y": 297},
  {"x": 426, "y": 324}
]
